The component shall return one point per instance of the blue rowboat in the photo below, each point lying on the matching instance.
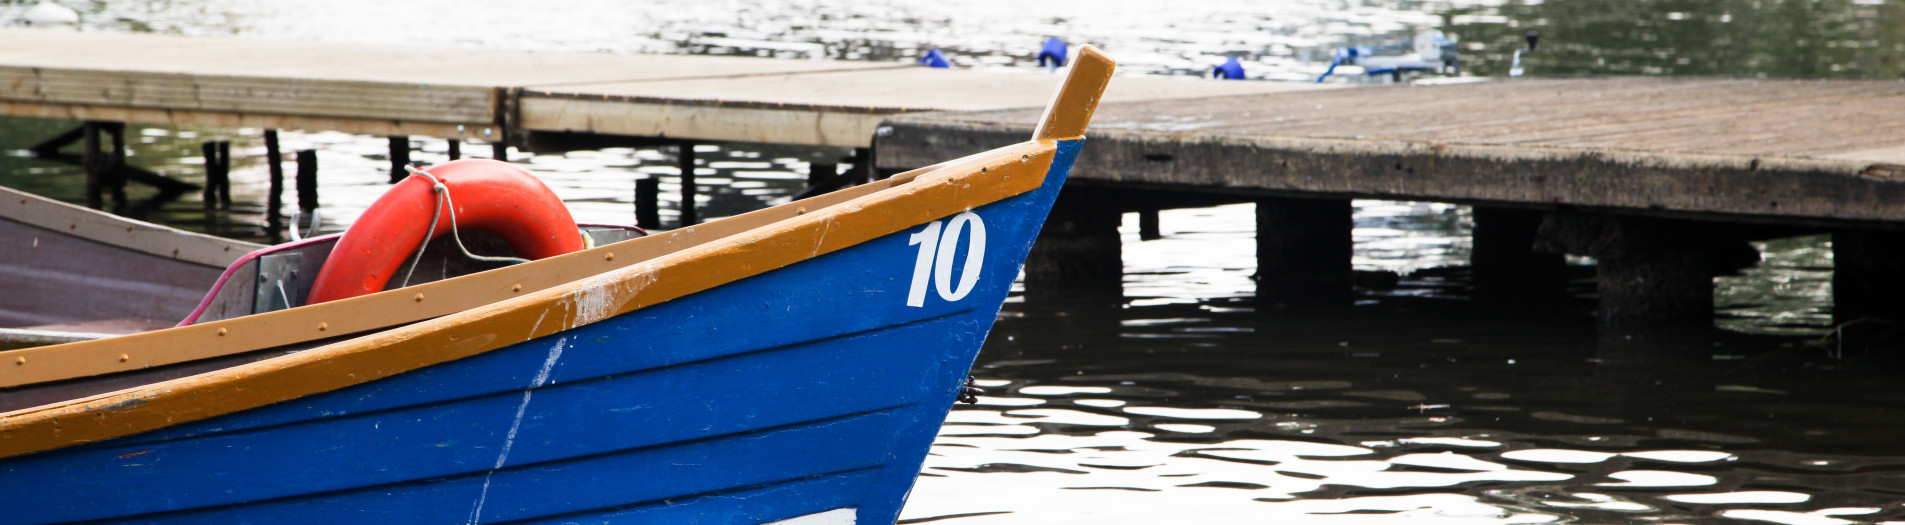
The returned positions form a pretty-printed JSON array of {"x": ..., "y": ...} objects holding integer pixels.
[{"x": 789, "y": 364}]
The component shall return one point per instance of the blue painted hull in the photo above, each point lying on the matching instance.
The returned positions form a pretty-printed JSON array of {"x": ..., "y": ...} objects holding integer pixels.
[{"x": 806, "y": 389}]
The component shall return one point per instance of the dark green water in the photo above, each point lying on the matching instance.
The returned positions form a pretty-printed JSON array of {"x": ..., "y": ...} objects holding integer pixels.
[{"x": 1731, "y": 38}]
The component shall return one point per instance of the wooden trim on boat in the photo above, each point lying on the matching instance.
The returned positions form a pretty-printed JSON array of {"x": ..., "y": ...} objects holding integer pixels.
[
  {"x": 106, "y": 228},
  {"x": 381, "y": 310},
  {"x": 1086, "y": 82},
  {"x": 670, "y": 273}
]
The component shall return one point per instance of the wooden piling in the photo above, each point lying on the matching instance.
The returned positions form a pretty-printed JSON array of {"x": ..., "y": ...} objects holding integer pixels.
[
  {"x": 209, "y": 150},
  {"x": 114, "y": 177},
  {"x": 1654, "y": 276},
  {"x": 648, "y": 203},
  {"x": 218, "y": 190},
  {"x": 399, "y": 157},
  {"x": 1303, "y": 253},
  {"x": 499, "y": 150},
  {"x": 456, "y": 149},
  {"x": 1507, "y": 269},
  {"x": 862, "y": 170},
  {"x": 105, "y": 170},
  {"x": 1148, "y": 227},
  {"x": 274, "y": 191},
  {"x": 819, "y": 172},
  {"x": 1868, "y": 278},
  {"x": 225, "y": 174},
  {"x": 1077, "y": 259},
  {"x": 94, "y": 164},
  {"x": 307, "y": 181},
  {"x": 685, "y": 160}
]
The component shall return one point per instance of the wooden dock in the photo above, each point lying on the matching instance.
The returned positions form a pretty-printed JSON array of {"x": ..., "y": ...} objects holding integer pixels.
[
  {"x": 496, "y": 95},
  {"x": 1662, "y": 181},
  {"x": 1768, "y": 150}
]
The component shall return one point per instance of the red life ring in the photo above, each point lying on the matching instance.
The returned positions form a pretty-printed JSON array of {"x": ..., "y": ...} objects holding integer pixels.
[{"x": 496, "y": 197}]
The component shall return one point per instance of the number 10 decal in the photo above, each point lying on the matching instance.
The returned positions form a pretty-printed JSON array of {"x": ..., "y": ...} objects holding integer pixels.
[{"x": 937, "y": 263}]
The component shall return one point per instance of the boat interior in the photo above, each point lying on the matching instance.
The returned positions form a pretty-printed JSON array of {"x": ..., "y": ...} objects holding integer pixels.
[{"x": 101, "y": 303}]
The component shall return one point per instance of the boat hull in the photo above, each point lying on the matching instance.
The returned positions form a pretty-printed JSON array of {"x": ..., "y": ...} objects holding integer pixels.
[{"x": 813, "y": 389}]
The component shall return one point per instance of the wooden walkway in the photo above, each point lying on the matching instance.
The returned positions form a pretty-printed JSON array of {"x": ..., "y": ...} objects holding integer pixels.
[
  {"x": 485, "y": 94},
  {"x": 1782, "y": 150}
]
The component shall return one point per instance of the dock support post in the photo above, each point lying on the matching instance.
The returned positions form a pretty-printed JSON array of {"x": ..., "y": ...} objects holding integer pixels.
[
  {"x": 824, "y": 177},
  {"x": 819, "y": 172},
  {"x": 93, "y": 160},
  {"x": 1076, "y": 258},
  {"x": 274, "y": 190},
  {"x": 1654, "y": 276},
  {"x": 1868, "y": 278},
  {"x": 499, "y": 150},
  {"x": 1148, "y": 228},
  {"x": 225, "y": 174},
  {"x": 103, "y": 168},
  {"x": 456, "y": 149},
  {"x": 1507, "y": 269},
  {"x": 399, "y": 157},
  {"x": 210, "y": 194},
  {"x": 115, "y": 178},
  {"x": 307, "y": 182},
  {"x": 106, "y": 171},
  {"x": 1303, "y": 252},
  {"x": 685, "y": 160},
  {"x": 217, "y": 174},
  {"x": 648, "y": 203},
  {"x": 862, "y": 170}
]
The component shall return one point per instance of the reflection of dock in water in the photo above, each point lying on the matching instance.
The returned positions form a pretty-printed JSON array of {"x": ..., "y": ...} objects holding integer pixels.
[{"x": 1662, "y": 181}]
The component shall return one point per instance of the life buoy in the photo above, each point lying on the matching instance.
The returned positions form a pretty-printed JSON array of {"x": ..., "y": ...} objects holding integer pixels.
[{"x": 496, "y": 197}]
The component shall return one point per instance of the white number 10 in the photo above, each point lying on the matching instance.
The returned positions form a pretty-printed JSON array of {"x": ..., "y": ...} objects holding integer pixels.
[{"x": 937, "y": 263}]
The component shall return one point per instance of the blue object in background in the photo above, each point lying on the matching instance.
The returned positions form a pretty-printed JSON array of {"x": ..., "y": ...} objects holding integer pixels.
[
  {"x": 1231, "y": 70},
  {"x": 1344, "y": 55},
  {"x": 934, "y": 58},
  {"x": 1053, "y": 51}
]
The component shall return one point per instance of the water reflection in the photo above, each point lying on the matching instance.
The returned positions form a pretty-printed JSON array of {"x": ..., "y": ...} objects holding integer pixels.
[{"x": 1294, "y": 419}]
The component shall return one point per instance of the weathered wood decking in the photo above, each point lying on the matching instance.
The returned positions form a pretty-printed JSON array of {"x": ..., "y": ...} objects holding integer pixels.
[
  {"x": 484, "y": 94},
  {"x": 1783, "y": 150}
]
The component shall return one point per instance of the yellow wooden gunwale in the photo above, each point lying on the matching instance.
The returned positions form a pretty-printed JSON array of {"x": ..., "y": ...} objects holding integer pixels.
[{"x": 908, "y": 201}]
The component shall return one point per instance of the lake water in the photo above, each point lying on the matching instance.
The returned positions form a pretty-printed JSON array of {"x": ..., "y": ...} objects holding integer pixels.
[{"x": 1185, "y": 404}]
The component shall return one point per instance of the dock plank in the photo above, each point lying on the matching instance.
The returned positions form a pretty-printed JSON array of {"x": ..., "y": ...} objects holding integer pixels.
[
  {"x": 330, "y": 61},
  {"x": 1780, "y": 150},
  {"x": 838, "y": 108},
  {"x": 372, "y": 89},
  {"x": 482, "y": 94}
]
